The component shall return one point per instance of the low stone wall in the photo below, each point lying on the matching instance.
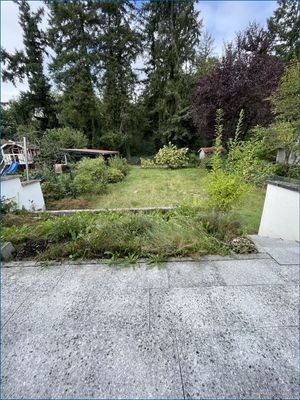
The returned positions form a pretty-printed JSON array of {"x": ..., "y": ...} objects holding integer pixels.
[
  {"x": 27, "y": 195},
  {"x": 280, "y": 217}
]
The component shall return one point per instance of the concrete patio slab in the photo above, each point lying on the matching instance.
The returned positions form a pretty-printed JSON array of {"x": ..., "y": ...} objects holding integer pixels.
[
  {"x": 283, "y": 251},
  {"x": 17, "y": 284},
  {"x": 229, "y": 365},
  {"x": 290, "y": 273},
  {"x": 88, "y": 365},
  {"x": 225, "y": 272},
  {"x": 137, "y": 276},
  {"x": 68, "y": 309},
  {"x": 216, "y": 328},
  {"x": 223, "y": 307}
]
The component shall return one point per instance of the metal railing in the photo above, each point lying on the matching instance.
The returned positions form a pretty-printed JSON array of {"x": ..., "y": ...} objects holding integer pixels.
[{"x": 11, "y": 157}]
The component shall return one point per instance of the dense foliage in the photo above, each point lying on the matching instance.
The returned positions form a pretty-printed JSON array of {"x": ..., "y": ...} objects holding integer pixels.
[
  {"x": 88, "y": 176},
  {"x": 284, "y": 28},
  {"x": 283, "y": 133},
  {"x": 134, "y": 76},
  {"x": 124, "y": 237},
  {"x": 244, "y": 78},
  {"x": 172, "y": 157}
]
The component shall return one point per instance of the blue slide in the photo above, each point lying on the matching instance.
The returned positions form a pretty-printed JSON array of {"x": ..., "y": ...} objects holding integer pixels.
[{"x": 12, "y": 168}]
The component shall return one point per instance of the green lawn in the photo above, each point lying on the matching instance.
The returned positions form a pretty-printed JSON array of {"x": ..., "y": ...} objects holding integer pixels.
[
  {"x": 153, "y": 188},
  {"x": 182, "y": 232},
  {"x": 164, "y": 187}
]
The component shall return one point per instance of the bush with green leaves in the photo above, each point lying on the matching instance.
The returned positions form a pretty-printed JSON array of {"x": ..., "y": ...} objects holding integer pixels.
[
  {"x": 147, "y": 163},
  {"x": 119, "y": 163},
  {"x": 172, "y": 157},
  {"x": 243, "y": 160},
  {"x": 114, "y": 175},
  {"x": 90, "y": 176},
  {"x": 194, "y": 160},
  {"x": 54, "y": 140},
  {"x": 55, "y": 186},
  {"x": 66, "y": 137},
  {"x": 224, "y": 189}
]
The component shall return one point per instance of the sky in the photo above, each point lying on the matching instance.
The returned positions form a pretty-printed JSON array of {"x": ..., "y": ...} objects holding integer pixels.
[{"x": 222, "y": 19}]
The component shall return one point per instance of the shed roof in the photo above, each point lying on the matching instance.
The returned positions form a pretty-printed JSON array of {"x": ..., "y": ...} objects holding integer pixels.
[
  {"x": 208, "y": 150},
  {"x": 90, "y": 151}
]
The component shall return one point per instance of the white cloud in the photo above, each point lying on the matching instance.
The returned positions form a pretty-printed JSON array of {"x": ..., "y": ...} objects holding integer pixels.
[{"x": 222, "y": 19}]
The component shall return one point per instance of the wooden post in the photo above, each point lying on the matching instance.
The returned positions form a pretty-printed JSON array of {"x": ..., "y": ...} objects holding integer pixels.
[{"x": 26, "y": 157}]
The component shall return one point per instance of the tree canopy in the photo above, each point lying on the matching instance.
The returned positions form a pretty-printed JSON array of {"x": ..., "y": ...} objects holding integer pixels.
[{"x": 133, "y": 76}]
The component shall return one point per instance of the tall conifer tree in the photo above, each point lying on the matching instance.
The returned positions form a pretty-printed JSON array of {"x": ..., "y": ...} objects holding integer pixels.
[
  {"x": 37, "y": 103},
  {"x": 172, "y": 30},
  {"x": 284, "y": 27},
  {"x": 72, "y": 37}
]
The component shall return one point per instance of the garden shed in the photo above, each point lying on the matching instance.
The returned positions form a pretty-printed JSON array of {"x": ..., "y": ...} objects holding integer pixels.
[
  {"x": 206, "y": 151},
  {"x": 79, "y": 153}
]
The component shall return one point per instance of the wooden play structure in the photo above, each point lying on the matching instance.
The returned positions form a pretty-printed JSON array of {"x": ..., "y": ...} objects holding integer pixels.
[{"x": 14, "y": 156}]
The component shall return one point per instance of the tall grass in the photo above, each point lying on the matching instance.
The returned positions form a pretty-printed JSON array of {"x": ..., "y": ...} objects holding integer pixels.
[{"x": 181, "y": 232}]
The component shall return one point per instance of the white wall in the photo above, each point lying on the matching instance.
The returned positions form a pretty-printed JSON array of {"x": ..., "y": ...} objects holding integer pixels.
[
  {"x": 26, "y": 195},
  {"x": 280, "y": 157},
  {"x": 280, "y": 217},
  {"x": 202, "y": 155}
]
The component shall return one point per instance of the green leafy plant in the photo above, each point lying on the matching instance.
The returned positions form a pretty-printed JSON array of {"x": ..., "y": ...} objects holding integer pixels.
[
  {"x": 55, "y": 186},
  {"x": 146, "y": 163},
  {"x": 119, "y": 164},
  {"x": 65, "y": 227},
  {"x": 224, "y": 189},
  {"x": 245, "y": 157},
  {"x": 157, "y": 259},
  {"x": 91, "y": 176},
  {"x": 172, "y": 157},
  {"x": 244, "y": 160},
  {"x": 114, "y": 175}
]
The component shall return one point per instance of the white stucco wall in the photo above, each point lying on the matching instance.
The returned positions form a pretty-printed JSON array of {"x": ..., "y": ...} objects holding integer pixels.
[
  {"x": 26, "y": 195},
  {"x": 280, "y": 217}
]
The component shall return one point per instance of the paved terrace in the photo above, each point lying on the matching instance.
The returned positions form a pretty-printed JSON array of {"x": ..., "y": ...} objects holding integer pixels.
[{"x": 212, "y": 329}]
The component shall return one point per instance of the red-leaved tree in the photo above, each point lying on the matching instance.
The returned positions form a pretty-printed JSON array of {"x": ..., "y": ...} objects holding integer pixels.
[{"x": 244, "y": 78}]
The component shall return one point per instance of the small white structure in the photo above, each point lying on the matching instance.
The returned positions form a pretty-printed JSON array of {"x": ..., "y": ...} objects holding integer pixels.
[
  {"x": 207, "y": 151},
  {"x": 280, "y": 217},
  {"x": 281, "y": 157},
  {"x": 27, "y": 195}
]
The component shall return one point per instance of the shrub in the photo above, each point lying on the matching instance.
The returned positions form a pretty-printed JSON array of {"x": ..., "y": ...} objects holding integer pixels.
[
  {"x": 55, "y": 186},
  {"x": 65, "y": 227},
  {"x": 66, "y": 137},
  {"x": 224, "y": 190},
  {"x": 194, "y": 160},
  {"x": 114, "y": 175},
  {"x": 206, "y": 163},
  {"x": 54, "y": 140},
  {"x": 119, "y": 164},
  {"x": 172, "y": 157},
  {"x": 7, "y": 205},
  {"x": 146, "y": 163},
  {"x": 290, "y": 171},
  {"x": 91, "y": 176},
  {"x": 223, "y": 226},
  {"x": 243, "y": 160}
]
